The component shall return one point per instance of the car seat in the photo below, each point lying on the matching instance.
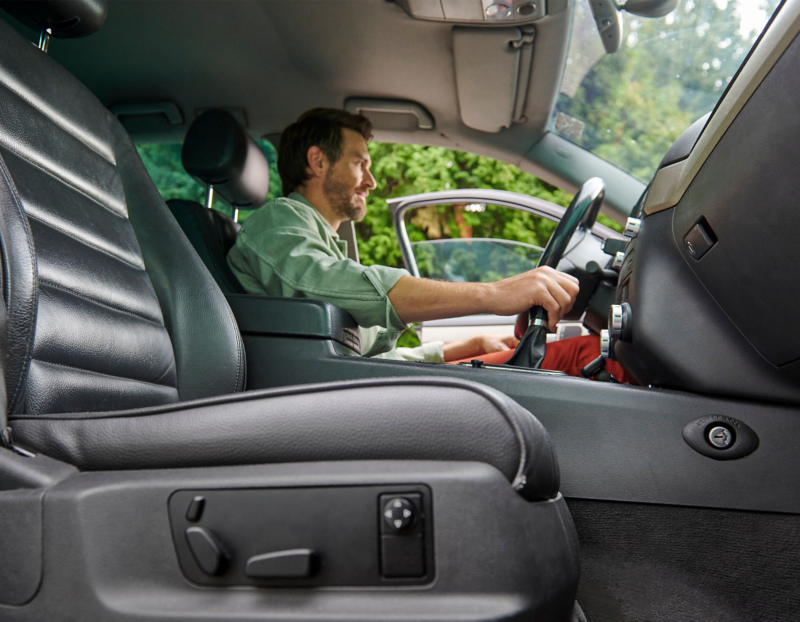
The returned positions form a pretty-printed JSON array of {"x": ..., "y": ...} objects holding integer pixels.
[
  {"x": 138, "y": 480},
  {"x": 220, "y": 154},
  {"x": 223, "y": 157}
]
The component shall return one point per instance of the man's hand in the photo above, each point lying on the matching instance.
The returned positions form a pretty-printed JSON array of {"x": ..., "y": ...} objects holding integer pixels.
[
  {"x": 478, "y": 345},
  {"x": 551, "y": 289}
]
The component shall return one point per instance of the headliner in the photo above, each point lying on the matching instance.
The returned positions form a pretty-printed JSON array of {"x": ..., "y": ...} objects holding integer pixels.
[{"x": 277, "y": 58}]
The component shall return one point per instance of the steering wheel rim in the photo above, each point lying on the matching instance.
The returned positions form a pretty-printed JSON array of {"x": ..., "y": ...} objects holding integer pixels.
[{"x": 582, "y": 211}]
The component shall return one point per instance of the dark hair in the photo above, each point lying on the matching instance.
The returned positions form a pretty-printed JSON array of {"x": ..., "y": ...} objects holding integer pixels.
[{"x": 321, "y": 127}]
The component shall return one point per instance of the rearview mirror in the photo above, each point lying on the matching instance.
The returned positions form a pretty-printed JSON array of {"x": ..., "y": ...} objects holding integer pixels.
[
  {"x": 650, "y": 8},
  {"x": 609, "y": 22}
]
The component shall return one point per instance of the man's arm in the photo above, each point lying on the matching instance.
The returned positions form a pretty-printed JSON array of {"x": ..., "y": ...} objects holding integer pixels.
[{"x": 419, "y": 300}]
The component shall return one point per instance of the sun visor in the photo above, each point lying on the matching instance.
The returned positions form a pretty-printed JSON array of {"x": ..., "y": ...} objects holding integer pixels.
[{"x": 493, "y": 68}]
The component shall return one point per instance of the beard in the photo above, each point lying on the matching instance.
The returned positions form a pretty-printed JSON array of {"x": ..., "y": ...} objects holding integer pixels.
[{"x": 342, "y": 198}]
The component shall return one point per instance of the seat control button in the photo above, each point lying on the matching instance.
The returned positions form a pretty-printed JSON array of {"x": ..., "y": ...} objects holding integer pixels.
[
  {"x": 292, "y": 564},
  {"x": 206, "y": 551},
  {"x": 398, "y": 513},
  {"x": 402, "y": 556},
  {"x": 195, "y": 510}
]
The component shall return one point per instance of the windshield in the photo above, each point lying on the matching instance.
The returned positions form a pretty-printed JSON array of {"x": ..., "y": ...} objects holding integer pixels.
[{"x": 629, "y": 107}]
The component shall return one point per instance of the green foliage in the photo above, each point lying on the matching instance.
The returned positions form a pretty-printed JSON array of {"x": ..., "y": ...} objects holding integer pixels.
[
  {"x": 163, "y": 163},
  {"x": 401, "y": 170},
  {"x": 668, "y": 73}
]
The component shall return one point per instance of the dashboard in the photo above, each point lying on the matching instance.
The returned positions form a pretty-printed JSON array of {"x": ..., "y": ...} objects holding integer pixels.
[{"x": 713, "y": 280}]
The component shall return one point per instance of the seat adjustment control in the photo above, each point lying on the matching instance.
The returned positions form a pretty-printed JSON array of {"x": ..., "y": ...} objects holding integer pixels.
[
  {"x": 195, "y": 509},
  {"x": 398, "y": 513},
  {"x": 206, "y": 551},
  {"x": 402, "y": 536},
  {"x": 292, "y": 564}
]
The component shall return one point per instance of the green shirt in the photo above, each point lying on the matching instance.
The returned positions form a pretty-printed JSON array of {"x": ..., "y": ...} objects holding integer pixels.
[{"x": 287, "y": 248}]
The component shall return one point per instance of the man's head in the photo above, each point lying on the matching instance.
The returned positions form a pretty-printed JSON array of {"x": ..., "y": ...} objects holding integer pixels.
[{"x": 327, "y": 149}]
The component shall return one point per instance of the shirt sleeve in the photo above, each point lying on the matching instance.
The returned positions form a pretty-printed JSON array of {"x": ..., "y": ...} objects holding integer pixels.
[{"x": 305, "y": 265}]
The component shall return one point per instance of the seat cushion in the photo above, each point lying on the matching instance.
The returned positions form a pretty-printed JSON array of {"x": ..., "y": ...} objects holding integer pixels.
[{"x": 392, "y": 419}]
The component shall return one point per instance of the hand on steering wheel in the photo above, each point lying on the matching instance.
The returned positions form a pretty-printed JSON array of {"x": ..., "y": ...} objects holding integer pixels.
[{"x": 582, "y": 211}]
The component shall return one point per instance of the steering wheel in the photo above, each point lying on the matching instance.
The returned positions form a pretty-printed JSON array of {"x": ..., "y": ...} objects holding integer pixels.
[{"x": 581, "y": 212}]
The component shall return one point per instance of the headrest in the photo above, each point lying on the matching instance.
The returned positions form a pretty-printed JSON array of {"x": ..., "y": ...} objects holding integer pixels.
[
  {"x": 218, "y": 151},
  {"x": 66, "y": 19}
]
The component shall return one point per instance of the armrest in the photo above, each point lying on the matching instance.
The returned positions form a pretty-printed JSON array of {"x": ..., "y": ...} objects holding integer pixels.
[
  {"x": 389, "y": 419},
  {"x": 297, "y": 317}
]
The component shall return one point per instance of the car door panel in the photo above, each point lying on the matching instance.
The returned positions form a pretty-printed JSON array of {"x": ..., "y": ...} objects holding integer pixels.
[{"x": 666, "y": 533}]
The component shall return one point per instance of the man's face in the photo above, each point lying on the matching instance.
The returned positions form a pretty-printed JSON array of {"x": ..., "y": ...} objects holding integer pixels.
[{"x": 348, "y": 181}]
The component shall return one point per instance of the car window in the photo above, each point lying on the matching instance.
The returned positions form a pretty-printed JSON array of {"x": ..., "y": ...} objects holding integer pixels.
[
  {"x": 403, "y": 169},
  {"x": 163, "y": 163},
  {"x": 475, "y": 242},
  {"x": 630, "y": 106}
]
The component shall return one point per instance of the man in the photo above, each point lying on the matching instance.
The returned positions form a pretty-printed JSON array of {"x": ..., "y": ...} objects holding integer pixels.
[{"x": 290, "y": 248}]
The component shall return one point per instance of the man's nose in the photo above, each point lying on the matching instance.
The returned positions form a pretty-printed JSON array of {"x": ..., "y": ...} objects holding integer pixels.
[{"x": 369, "y": 180}]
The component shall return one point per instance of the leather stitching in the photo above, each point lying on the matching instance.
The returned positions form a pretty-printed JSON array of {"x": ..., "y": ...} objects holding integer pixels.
[
  {"x": 98, "y": 373},
  {"x": 12, "y": 402},
  {"x": 102, "y": 304},
  {"x": 99, "y": 249}
]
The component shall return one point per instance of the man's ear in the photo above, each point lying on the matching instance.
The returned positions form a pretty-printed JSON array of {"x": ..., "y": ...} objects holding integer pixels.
[{"x": 316, "y": 162}]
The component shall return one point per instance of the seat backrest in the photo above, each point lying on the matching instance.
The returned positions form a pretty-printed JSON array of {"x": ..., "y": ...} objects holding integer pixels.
[
  {"x": 108, "y": 305},
  {"x": 212, "y": 234}
]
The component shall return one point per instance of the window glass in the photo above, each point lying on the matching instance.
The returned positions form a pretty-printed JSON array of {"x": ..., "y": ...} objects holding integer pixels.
[
  {"x": 475, "y": 242},
  {"x": 629, "y": 107},
  {"x": 163, "y": 163}
]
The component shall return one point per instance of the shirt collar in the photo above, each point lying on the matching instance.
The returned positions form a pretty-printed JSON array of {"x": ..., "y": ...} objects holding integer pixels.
[{"x": 296, "y": 196}]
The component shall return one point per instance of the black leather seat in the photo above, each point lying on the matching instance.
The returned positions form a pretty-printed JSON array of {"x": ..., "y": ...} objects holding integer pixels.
[
  {"x": 220, "y": 154},
  {"x": 124, "y": 359},
  {"x": 212, "y": 234}
]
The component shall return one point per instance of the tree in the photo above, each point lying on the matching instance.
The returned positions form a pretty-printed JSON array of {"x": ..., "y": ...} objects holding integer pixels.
[{"x": 668, "y": 73}]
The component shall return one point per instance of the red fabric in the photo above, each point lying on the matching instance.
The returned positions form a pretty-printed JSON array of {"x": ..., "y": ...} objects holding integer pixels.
[{"x": 567, "y": 355}]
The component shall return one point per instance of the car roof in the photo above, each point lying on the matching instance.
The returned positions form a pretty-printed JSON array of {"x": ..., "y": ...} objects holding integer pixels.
[{"x": 269, "y": 60}]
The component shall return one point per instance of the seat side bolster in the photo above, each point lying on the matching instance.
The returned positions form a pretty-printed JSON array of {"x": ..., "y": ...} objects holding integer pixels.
[{"x": 388, "y": 419}]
